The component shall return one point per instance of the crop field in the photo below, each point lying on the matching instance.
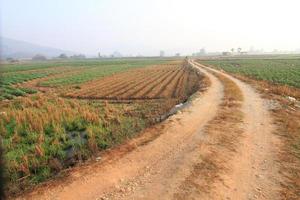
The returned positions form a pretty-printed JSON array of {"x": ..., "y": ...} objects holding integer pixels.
[
  {"x": 59, "y": 73},
  {"x": 278, "y": 71},
  {"x": 92, "y": 106},
  {"x": 169, "y": 81}
]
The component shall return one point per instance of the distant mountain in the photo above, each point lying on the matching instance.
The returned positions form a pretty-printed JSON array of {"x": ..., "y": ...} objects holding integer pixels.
[{"x": 20, "y": 49}]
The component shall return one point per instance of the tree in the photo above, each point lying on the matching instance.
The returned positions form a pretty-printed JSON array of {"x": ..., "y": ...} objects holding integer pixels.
[
  {"x": 12, "y": 60},
  {"x": 63, "y": 56},
  {"x": 239, "y": 49},
  {"x": 232, "y": 50},
  {"x": 78, "y": 56},
  {"x": 39, "y": 57}
]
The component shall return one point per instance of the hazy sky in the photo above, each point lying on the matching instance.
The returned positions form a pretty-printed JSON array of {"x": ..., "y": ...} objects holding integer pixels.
[{"x": 145, "y": 27}]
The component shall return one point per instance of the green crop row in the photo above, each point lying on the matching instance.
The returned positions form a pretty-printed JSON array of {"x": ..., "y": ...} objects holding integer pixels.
[{"x": 8, "y": 80}]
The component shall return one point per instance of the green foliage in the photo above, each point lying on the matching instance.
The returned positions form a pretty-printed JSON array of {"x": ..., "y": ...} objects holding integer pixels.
[
  {"x": 8, "y": 80},
  {"x": 280, "y": 71},
  {"x": 28, "y": 90},
  {"x": 10, "y": 127},
  {"x": 76, "y": 125}
]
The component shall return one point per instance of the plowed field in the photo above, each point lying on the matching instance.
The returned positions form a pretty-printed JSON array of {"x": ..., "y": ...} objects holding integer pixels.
[{"x": 169, "y": 81}]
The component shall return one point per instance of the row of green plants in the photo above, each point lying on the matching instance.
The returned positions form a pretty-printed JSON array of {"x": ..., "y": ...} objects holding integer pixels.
[
  {"x": 278, "y": 71},
  {"x": 8, "y": 92},
  {"x": 8, "y": 82}
]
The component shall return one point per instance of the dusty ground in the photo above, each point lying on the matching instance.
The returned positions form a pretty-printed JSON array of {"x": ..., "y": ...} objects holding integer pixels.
[{"x": 220, "y": 147}]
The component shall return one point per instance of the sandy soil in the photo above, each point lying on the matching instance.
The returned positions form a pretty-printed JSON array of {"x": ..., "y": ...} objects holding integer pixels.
[{"x": 157, "y": 169}]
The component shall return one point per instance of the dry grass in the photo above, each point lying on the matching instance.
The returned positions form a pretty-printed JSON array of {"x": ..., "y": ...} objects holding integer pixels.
[
  {"x": 37, "y": 132},
  {"x": 288, "y": 123},
  {"x": 223, "y": 134}
]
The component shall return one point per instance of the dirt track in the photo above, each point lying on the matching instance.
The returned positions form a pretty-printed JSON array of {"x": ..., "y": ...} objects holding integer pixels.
[
  {"x": 159, "y": 168},
  {"x": 254, "y": 171}
]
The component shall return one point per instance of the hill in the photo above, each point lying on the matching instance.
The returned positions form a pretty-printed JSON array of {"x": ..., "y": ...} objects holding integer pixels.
[{"x": 20, "y": 49}]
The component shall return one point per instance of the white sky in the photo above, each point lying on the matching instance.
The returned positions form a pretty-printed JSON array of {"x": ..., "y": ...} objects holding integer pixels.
[{"x": 145, "y": 27}]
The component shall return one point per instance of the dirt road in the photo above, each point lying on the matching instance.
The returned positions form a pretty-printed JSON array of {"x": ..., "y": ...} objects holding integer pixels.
[
  {"x": 254, "y": 171},
  {"x": 159, "y": 168}
]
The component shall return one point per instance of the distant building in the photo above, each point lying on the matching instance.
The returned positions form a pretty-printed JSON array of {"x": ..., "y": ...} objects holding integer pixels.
[
  {"x": 177, "y": 54},
  {"x": 161, "y": 53},
  {"x": 252, "y": 51}
]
